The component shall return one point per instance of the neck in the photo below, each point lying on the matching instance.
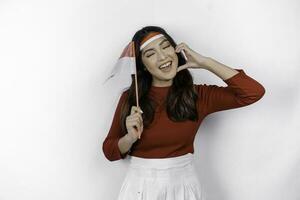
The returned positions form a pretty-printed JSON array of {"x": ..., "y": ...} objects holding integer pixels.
[{"x": 162, "y": 83}]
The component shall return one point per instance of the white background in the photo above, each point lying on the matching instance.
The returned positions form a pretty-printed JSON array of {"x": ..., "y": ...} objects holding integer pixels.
[{"x": 55, "y": 112}]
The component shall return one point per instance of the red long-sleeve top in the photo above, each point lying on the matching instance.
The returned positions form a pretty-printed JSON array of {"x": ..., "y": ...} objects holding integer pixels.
[{"x": 165, "y": 138}]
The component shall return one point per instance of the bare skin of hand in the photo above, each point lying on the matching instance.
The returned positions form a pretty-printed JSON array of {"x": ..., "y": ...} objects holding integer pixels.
[
  {"x": 194, "y": 59},
  {"x": 134, "y": 123}
]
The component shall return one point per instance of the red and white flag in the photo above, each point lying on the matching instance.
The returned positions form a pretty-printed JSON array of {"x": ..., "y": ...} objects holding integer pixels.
[
  {"x": 126, "y": 63},
  {"x": 126, "y": 66}
]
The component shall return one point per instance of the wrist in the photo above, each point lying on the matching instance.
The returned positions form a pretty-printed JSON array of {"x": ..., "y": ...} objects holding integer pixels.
[{"x": 129, "y": 138}]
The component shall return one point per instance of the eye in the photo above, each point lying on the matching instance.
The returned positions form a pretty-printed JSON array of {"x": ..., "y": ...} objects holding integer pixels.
[
  {"x": 167, "y": 46},
  {"x": 150, "y": 55}
]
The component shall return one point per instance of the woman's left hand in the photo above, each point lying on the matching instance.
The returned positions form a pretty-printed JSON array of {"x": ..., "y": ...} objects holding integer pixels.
[{"x": 194, "y": 59}]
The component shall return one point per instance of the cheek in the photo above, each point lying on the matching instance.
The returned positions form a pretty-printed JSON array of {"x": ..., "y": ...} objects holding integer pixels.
[
  {"x": 171, "y": 52},
  {"x": 149, "y": 62},
  {"x": 174, "y": 56},
  {"x": 176, "y": 61}
]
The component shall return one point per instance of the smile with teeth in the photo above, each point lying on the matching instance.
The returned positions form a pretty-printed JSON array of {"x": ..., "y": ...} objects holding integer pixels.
[{"x": 168, "y": 64}]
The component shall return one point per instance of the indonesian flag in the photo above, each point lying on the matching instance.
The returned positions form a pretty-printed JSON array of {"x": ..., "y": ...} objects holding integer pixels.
[
  {"x": 126, "y": 66},
  {"x": 126, "y": 62}
]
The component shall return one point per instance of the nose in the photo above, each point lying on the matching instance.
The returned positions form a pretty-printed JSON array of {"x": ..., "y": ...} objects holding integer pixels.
[{"x": 161, "y": 55}]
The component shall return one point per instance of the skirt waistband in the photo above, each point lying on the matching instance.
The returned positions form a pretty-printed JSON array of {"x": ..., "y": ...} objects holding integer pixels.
[{"x": 161, "y": 163}]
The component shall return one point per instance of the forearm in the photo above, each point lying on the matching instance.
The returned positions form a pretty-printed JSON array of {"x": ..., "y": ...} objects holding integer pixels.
[
  {"x": 221, "y": 70},
  {"x": 125, "y": 143}
]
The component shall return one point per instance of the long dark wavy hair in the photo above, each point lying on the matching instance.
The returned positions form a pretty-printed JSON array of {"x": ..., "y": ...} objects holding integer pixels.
[{"x": 181, "y": 99}]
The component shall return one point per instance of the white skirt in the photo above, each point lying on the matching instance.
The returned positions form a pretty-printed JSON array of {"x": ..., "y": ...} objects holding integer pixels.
[{"x": 161, "y": 179}]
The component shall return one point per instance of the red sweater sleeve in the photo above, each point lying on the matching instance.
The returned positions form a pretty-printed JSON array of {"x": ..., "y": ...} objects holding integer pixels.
[
  {"x": 110, "y": 146},
  {"x": 242, "y": 90}
]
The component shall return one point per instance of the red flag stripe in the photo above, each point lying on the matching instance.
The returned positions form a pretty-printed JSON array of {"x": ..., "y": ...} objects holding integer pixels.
[{"x": 128, "y": 51}]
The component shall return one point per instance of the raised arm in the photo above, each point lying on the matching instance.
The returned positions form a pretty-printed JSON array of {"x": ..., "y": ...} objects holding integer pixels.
[{"x": 241, "y": 90}]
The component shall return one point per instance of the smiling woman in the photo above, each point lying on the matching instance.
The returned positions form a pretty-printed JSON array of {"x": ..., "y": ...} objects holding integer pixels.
[
  {"x": 160, "y": 59},
  {"x": 161, "y": 162},
  {"x": 156, "y": 49}
]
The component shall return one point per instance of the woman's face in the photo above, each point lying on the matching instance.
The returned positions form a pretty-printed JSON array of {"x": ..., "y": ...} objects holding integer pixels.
[{"x": 161, "y": 61}]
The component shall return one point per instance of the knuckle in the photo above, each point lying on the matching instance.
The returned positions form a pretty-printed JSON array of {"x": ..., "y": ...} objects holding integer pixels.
[{"x": 132, "y": 108}]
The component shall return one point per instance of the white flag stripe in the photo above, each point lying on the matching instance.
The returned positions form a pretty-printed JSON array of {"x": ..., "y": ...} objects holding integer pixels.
[{"x": 124, "y": 65}]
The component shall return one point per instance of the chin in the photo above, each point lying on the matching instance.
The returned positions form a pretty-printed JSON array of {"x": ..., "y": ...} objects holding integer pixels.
[{"x": 171, "y": 75}]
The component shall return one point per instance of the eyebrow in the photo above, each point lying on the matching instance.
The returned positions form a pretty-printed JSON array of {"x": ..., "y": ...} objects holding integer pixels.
[{"x": 164, "y": 40}]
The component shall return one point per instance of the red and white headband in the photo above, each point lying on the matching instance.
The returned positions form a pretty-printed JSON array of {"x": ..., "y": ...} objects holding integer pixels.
[
  {"x": 149, "y": 38},
  {"x": 153, "y": 36}
]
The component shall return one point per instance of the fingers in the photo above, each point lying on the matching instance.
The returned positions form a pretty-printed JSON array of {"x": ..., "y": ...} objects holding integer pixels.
[
  {"x": 135, "y": 109},
  {"x": 135, "y": 119},
  {"x": 135, "y": 123},
  {"x": 181, "y": 46},
  {"x": 142, "y": 129}
]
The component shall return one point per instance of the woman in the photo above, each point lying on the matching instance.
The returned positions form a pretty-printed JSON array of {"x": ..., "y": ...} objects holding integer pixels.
[{"x": 158, "y": 137}]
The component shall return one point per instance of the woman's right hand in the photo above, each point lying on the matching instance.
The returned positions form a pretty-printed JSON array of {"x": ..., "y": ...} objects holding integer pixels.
[{"x": 134, "y": 123}]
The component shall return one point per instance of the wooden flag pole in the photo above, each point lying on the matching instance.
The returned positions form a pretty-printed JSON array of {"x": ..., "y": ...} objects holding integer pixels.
[
  {"x": 135, "y": 77},
  {"x": 136, "y": 84},
  {"x": 136, "y": 91}
]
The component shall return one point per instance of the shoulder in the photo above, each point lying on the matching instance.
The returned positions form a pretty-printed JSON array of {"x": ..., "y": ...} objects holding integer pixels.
[
  {"x": 202, "y": 91},
  {"x": 120, "y": 101},
  {"x": 207, "y": 91},
  {"x": 124, "y": 93},
  {"x": 123, "y": 97},
  {"x": 203, "y": 88}
]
